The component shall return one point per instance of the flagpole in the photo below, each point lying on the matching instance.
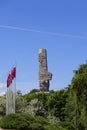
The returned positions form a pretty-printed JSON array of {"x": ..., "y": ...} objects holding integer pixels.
[{"x": 11, "y": 91}]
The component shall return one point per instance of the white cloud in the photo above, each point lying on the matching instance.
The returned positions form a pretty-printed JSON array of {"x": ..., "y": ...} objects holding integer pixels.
[
  {"x": 2, "y": 85},
  {"x": 43, "y": 32},
  {"x": 2, "y": 93}
]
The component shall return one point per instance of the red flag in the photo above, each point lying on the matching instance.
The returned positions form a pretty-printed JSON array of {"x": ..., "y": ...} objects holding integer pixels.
[
  {"x": 9, "y": 80},
  {"x": 13, "y": 73},
  {"x": 11, "y": 76}
]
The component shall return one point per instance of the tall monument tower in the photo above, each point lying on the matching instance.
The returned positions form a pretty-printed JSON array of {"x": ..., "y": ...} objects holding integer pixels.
[{"x": 44, "y": 75}]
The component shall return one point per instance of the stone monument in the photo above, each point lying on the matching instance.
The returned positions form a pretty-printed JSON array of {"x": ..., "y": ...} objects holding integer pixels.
[{"x": 44, "y": 75}]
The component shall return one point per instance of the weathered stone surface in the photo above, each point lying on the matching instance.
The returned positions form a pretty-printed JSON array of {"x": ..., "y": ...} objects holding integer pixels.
[{"x": 44, "y": 75}]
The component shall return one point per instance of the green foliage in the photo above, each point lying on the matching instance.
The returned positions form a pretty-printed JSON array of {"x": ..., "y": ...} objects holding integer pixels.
[
  {"x": 76, "y": 106},
  {"x": 41, "y": 96},
  {"x": 34, "y": 91},
  {"x": 2, "y": 105},
  {"x": 35, "y": 107},
  {"x": 28, "y": 97},
  {"x": 25, "y": 122},
  {"x": 56, "y": 104},
  {"x": 16, "y": 121},
  {"x": 21, "y": 104},
  {"x": 51, "y": 103},
  {"x": 67, "y": 125}
]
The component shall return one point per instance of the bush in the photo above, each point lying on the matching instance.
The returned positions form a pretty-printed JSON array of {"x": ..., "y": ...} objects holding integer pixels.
[
  {"x": 27, "y": 122},
  {"x": 16, "y": 121}
]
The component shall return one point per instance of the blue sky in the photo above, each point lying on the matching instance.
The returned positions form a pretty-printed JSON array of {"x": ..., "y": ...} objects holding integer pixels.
[{"x": 60, "y": 26}]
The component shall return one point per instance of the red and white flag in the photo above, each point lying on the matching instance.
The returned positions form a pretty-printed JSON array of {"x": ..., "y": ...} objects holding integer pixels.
[{"x": 11, "y": 76}]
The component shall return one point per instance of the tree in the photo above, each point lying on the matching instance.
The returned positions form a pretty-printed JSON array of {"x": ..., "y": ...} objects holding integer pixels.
[
  {"x": 35, "y": 108},
  {"x": 56, "y": 104},
  {"x": 77, "y": 99},
  {"x": 21, "y": 103}
]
